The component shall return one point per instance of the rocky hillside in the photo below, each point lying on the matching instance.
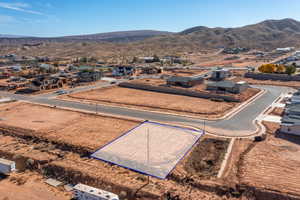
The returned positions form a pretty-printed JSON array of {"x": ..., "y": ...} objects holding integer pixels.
[{"x": 265, "y": 35}]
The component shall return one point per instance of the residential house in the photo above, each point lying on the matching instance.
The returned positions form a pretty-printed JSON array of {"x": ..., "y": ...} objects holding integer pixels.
[
  {"x": 284, "y": 50},
  {"x": 290, "y": 124},
  {"x": 123, "y": 70},
  {"x": 46, "y": 83},
  {"x": 15, "y": 68},
  {"x": 295, "y": 98},
  {"x": 150, "y": 59},
  {"x": 89, "y": 76},
  {"x": 228, "y": 86},
  {"x": 151, "y": 70},
  {"x": 220, "y": 74},
  {"x": 185, "y": 81},
  {"x": 292, "y": 109}
]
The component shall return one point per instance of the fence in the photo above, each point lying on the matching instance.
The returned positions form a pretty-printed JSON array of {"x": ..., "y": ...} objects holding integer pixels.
[{"x": 277, "y": 77}]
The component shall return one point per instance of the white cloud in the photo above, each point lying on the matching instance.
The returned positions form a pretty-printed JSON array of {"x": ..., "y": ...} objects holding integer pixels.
[
  {"x": 22, "y": 7},
  {"x": 5, "y": 19}
]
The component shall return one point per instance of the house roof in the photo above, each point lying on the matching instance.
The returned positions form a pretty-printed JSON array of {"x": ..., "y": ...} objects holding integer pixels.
[
  {"x": 293, "y": 107},
  {"x": 291, "y": 120},
  {"x": 46, "y": 66},
  {"x": 86, "y": 67},
  {"x": 184, "y": 78}
]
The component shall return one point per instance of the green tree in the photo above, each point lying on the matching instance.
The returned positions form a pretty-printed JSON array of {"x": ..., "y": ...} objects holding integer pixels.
[
  {"x": 290, "y": 69},
  {"x": 156, "y": 58},
  {"x": 135, "y": 60}
]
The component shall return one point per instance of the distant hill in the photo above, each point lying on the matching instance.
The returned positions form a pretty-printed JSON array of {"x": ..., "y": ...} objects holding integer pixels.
[
  {"x": 267, "y": 34},
  {"x": 122, "y": 36},
  {"x": 11, "y": 36}
]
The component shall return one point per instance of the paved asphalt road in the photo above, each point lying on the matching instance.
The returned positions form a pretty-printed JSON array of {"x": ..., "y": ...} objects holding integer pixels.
[{"x": 242, "y": 121}]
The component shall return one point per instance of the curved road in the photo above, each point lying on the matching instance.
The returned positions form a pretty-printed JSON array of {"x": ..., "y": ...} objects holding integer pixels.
[{"x": 240, "y": 124}]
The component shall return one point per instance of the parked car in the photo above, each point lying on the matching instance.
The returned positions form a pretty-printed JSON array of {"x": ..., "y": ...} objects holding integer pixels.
[{"x": 61, "y": 92}]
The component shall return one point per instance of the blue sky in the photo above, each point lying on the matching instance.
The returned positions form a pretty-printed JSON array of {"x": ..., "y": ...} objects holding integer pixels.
[{"x": 71, "y": 17}]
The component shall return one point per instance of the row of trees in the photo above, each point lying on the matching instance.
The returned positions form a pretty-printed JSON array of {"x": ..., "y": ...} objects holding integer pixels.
[{"x": 279, "y": 69}]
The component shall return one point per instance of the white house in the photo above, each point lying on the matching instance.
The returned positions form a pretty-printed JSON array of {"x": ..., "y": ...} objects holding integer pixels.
[
  {"x": 290, "y": 125},
  {"x": 290, "y": 122},
  {"x": 286, "y": 49}
]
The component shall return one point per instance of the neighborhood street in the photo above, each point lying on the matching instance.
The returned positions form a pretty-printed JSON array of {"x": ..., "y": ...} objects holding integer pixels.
[{"x": 241, "y": 124}]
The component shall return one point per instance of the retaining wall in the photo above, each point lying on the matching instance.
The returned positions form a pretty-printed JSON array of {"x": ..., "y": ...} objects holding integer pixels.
[
  {"x": 177, "y": 91},
  {"x": 275, "y": 77}
]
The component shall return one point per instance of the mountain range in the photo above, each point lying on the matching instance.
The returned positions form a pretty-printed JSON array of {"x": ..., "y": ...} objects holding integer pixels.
[
  {"x": 120, "y": 36},
  {"x": 264, "y": 35}
]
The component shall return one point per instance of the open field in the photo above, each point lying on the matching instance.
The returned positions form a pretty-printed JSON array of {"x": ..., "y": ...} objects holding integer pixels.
[
  {"x": 205, "y": 161},
  {"x": 51, "y": 160},
  {"x": 269, "y": 82},
  {"x": 20, "y": 186},
  {"x": 274, "y": 164},
  {"x": 72, "y": 128},
  {"x": 155, "y": 101},
  {"x": 193, "y": 177}
]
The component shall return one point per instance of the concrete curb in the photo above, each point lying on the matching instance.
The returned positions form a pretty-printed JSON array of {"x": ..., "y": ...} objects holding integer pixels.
[
  {"x": 86, "y": 111},
  {"x": 226, "y": 157}
]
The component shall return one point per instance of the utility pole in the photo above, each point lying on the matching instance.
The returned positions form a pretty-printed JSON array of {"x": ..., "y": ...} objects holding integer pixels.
[
  {"x": 148, "y": 161},
  {"x": 148, "y": 152}
]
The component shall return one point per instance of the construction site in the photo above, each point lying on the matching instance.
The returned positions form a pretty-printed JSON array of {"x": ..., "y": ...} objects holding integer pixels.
[
  {"x": 63, "y": 145},
  {"x": 46, "y": 145},
  {"x": 179, "y": 134},
  {"x": 216, "y": 104}
]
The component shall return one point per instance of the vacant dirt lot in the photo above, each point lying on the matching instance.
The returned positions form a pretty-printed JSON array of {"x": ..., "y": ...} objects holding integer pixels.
[
  {"x": 274, "y": 164},
  {"x": 206, "y": 158},
  {"x": 269, "y": 82},
  {"x": 154, "y": 101},
  {"x": 148, "y": 100},
  {"x": 63, "y": 126},
  {"x": 29, "y": 186},
  {"x": 50, "y": 160}
]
